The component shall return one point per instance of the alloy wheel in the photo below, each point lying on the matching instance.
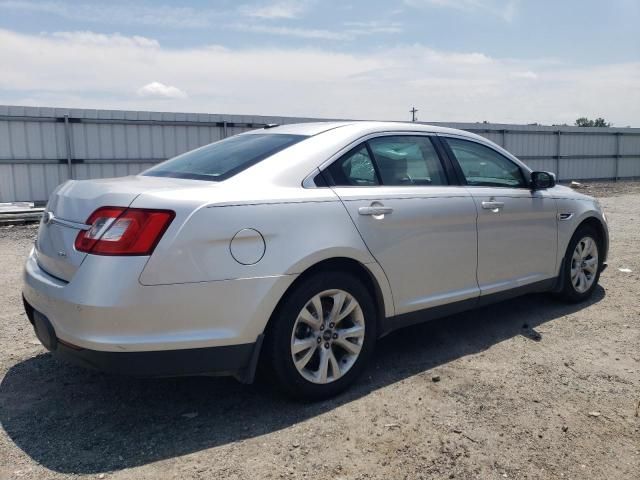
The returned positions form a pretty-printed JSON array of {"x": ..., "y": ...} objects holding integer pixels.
[
  {"x": 327, "y": 336},
  {"x": 584, "y": 264}
]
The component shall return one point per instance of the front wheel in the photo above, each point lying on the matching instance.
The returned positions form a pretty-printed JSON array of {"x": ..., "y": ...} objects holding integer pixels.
[
  {"x": 323, "y": 335},
  {"x": 582, "y": 265}
]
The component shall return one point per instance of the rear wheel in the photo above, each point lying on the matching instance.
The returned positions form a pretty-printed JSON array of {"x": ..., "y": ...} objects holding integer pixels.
[
  {"x": 582, "y": 265},
  {"x": 323, "y": 335}
]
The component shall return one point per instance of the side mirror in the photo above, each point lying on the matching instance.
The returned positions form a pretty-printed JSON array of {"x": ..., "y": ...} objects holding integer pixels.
[{"x": 542, "y": 180}]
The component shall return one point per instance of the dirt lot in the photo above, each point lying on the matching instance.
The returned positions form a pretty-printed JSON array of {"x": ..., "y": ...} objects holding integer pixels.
[{"x": 530, "y": 388}]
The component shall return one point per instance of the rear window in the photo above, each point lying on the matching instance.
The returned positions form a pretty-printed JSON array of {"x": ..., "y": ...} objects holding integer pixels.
[{"x": 221, "y": 160}]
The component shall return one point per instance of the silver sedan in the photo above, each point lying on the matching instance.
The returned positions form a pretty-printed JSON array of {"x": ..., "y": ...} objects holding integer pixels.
[{"x": 299, "y": 246}]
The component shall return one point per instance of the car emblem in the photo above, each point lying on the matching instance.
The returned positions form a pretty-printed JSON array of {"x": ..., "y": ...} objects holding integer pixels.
[
  {"x": 62, "y": 254},
  {"x": 47, "y": 218}
]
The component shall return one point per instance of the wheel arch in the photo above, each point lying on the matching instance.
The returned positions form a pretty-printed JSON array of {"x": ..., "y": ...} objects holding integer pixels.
[
  {"x": 598, "y": 226},
  {"x": 369, "y": 274},
  {"x": 586, "y": 217}
]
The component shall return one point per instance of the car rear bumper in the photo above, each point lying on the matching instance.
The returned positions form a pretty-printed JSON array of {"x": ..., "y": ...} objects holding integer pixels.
[
  {"x": 109, "y": 321},
  {"x": 236, "y": 360}
]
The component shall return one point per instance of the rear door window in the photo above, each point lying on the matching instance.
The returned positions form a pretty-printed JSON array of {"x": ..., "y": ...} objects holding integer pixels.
[
  {"x": 407, "y": 160},
  {"x": 355, "y": 169},
  {"x": 390, "y": 160},
  {"x": 221, "y": 160}
]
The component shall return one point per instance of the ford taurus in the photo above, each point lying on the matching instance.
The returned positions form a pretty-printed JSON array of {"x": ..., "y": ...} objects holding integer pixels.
[{"x": 297, "y": 247}]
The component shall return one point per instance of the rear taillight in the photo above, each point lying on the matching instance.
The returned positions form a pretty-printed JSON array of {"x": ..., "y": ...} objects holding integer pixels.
[{"x": 123, "y": 231}]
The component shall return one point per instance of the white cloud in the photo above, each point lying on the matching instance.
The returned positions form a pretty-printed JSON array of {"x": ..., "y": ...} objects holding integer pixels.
[
  {"x": 113, "y": 40},
  {"x": 379, "y": 84},
  {"x": 372, "y": 27},
  {"x": 504, "y": 9},
  {"x": 160, "y": 90},
  {"x": 274, "y": 10},
  {"x": 528, "y": 75},
  {"x": 311, "y": 33},
  {"x": 111, "y": 13},
  {"x": 350, "y": 31}
]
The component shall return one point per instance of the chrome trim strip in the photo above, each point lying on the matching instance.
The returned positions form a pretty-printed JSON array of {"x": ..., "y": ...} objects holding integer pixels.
[{"x": 67, "y": 223}]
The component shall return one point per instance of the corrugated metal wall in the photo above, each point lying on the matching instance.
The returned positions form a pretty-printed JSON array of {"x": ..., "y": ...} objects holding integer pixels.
[
  {"x": 572, "y": 153},
  {"x": 42, "y": 147}
]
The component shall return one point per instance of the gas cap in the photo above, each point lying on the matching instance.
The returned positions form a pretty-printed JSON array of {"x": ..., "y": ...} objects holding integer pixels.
[{"x": 247, "y": 246}]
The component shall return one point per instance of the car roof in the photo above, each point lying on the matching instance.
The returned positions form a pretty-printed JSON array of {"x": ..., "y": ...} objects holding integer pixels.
[
  {"x": 327, "y": 139},
  {"x": 316, "y": 128},
  {"x": 306, "y": 128}
]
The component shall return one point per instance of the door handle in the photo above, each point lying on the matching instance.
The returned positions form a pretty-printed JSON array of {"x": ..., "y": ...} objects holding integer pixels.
[
  {"x": 375, "y": 210},
  {"x": 495, "y": 206}
]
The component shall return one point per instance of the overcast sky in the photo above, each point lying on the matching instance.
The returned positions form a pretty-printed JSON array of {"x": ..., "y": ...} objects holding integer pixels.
[{"x": 455, "y": 60}]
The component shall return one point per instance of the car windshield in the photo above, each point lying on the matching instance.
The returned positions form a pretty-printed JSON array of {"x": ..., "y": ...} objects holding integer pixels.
[{"x": 221, "y": 160}]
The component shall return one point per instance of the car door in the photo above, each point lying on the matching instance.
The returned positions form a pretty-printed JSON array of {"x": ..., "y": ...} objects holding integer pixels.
[
  {"x": 517, "y": 227},
  {"x": 419, "y": 227}
]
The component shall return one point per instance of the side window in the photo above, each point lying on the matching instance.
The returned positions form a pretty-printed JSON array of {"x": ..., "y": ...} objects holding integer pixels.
[
  {"x": 354, "y": 169},
  {"x": 483, "y": 166},
  {"x": 407, "y": 160}
]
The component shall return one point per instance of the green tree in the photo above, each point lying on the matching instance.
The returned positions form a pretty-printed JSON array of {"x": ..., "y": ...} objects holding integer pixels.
[{"x": 586, "y": 122}]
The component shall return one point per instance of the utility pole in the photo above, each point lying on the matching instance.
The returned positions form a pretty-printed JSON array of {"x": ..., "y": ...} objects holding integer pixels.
[{"x": 413, "y": 111}]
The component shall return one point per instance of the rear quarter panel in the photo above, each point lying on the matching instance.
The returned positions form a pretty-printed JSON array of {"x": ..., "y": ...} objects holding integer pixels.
[{"x": 296, "y": 236}]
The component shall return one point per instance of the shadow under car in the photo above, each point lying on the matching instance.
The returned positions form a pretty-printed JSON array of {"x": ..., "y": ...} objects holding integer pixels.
[{"x": 72, "y": 420}]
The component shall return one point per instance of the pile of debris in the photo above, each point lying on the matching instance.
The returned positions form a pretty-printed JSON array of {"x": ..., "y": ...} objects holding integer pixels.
[{"x": 19, "y": 213}]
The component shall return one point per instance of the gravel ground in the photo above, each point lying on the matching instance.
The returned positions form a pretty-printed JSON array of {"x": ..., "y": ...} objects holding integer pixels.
[
  {"x": 529, "y": 388},
  {"x": 608, "y": 189}
]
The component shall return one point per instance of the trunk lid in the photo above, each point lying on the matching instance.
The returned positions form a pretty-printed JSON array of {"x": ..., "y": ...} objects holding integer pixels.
[{"x": 73, "y": 202}]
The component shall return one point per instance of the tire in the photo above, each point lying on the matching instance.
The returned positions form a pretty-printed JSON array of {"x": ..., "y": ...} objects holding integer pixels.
[
  {"x": 325, "y": 367},
  {"x": 579, "y": 288}
]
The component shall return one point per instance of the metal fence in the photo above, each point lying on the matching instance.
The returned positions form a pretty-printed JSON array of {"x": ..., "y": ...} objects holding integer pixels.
[
  {"x": 42, "y": 147},
  {"x": 572, "y": 153}
]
